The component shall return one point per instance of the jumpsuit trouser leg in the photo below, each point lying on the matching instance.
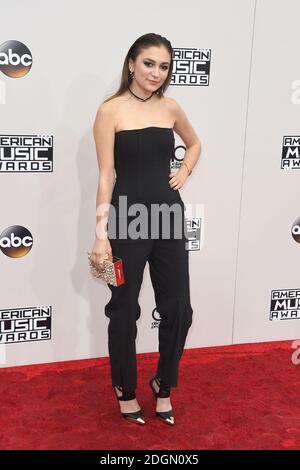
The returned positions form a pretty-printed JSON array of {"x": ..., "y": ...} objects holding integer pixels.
[
  {"x": 169, "y": 272},
  {"x": 123, "y": 310}
]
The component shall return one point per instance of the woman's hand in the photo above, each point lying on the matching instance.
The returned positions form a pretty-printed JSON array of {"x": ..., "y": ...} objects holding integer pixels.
[
  {"x": 100, "y": 249},
  {"x": 177, "y": 179}
]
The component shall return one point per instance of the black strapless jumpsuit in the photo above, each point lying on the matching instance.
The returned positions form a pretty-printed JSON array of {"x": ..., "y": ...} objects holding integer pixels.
[{"x": 142, "y": 164}]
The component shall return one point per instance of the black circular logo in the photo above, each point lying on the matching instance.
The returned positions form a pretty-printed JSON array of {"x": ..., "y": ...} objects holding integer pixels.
[
  {"x": 296, "y": 230},
  {"x": 16, "y": 241},
  {"x": 177, "y": 156},
  {"x": 15, "y": 59},
  {"x": 155, "y": 315}
]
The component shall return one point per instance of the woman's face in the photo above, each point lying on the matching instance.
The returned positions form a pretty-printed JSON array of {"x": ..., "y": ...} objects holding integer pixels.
[{"x": 151, "y": 68}]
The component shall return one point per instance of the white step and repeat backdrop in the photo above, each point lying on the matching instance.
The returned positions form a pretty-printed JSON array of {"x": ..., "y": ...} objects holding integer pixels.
[{"x": 237, "y": 76}]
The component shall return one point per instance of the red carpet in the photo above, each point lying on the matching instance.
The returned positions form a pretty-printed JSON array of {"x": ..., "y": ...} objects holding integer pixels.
[{"x": 230, "y": 397}]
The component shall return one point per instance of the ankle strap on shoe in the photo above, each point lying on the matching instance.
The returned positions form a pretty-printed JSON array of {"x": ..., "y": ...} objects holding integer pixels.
[
  {"x": 126, "y": 394},
  {"x": 164, "y": 389}
]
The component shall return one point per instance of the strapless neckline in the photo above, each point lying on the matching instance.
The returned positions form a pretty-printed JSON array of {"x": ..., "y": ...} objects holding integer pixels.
[{"x": 143, "y": 129}]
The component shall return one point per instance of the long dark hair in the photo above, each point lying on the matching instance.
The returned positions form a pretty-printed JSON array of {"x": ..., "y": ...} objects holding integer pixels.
[{"x": 143, "y": 42}]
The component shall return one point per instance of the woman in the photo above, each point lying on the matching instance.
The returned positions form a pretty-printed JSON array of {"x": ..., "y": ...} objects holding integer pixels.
[{"x": 133, "y": 132}]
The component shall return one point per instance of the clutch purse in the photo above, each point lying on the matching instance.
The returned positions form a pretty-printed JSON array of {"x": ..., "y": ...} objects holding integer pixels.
[{"x": 110, "y": 271}]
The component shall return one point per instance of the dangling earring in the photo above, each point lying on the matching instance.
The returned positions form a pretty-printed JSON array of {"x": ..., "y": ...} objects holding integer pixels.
[{"x": 131, "y": 75}]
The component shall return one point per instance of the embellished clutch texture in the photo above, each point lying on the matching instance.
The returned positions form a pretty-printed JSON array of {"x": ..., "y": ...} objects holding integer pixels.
[{"x": 110, "y": 271}]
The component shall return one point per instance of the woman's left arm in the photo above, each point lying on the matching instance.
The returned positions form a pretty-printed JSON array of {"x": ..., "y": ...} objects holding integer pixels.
[{"x": 184, "y": 129}]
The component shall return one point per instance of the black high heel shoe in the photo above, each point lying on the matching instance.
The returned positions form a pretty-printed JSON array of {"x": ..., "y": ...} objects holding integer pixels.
[
  {"x": 163, "y": 392},
  {"x": 135, "y": 416}
]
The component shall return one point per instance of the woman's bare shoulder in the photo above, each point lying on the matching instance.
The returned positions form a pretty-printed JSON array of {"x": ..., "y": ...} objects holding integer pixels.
[
  {"x": 111, "y": 104},
  {"x": 109, "y": 110},
  {"x": 171, "y": 103}
]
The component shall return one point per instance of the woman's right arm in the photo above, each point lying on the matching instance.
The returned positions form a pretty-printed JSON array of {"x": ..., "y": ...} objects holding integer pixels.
[{"x": 104, "y": 135}]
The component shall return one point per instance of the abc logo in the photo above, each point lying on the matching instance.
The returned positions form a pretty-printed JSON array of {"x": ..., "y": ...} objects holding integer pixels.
[
  {"x": 177, "y": 157},
  {"x": 179, "y": 152},
  {"x": 15, "y": 59},
  {"x": 16, "y": 241},
  {"x": 155, "y": 315},
  {"x": 296, "y": 230}
]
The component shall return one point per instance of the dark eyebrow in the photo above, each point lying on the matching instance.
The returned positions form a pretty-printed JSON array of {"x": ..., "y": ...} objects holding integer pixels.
[{"x": 147, "y": 58}]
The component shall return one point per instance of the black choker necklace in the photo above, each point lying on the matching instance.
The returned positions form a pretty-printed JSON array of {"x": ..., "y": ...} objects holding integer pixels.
[{"x": 143, "y": 99}]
